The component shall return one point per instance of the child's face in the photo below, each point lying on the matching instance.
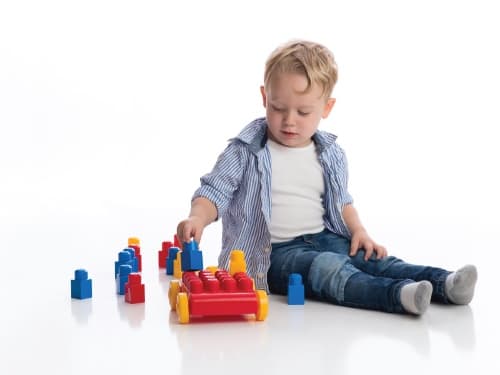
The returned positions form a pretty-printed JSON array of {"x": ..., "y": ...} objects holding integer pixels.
[{"x": 292, "y": 115}]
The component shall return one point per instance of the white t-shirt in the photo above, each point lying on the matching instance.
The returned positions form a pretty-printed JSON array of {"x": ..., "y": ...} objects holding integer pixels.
[{"x": 297, "y": 187}]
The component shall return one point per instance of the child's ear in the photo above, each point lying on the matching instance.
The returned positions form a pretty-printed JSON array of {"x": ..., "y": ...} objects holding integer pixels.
[
  {"x": 328, "y": 107},
  {"x": 264, "y": 99}
]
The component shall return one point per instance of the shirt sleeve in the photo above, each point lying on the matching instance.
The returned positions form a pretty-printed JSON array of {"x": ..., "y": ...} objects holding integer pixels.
[
  {"x": 342, "y": 177},
  {"x": 219, "y": 185}
]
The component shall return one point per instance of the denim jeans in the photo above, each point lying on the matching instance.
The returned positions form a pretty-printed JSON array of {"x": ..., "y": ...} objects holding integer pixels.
[{"x": 330, "y": 274}]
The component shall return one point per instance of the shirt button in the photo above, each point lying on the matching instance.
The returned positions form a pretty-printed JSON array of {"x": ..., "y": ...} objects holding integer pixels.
[{"x": 260, "y": 275}]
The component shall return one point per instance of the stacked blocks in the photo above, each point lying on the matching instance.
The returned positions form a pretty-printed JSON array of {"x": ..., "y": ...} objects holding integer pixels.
[
  {"x": 172, "y": 254},
  {"x": 123, "y": 273},
  {"x": 192, "y": 258},
  {"x": 295, "y": 289},
  {"x": 133, "y": 259},
  {"x": 135, "y": 243},
  {"x": 134, "y": 289},
  {"x": 163, "y": 253},
  {"x": 124, "y": 258},
  {"x": 81, "y": 286}
]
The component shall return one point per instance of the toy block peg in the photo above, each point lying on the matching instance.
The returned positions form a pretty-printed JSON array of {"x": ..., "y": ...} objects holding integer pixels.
[
  {"x": 172, "y": 254},
  {"x": 192, "y": 258},
  {"x": 163, "y": 254},
  {"x": 81, "y": 286},
  {"x": 237, "y": 262},
  {"x": 295, "y": 289},
  {"x": 122, "y": 278},
  {"x": 134, "y": 289},
  {"x": 124, "y": 257}
]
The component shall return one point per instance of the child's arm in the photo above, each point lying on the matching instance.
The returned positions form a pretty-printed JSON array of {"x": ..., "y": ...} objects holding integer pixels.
[
  {"x": 203, "y": 212},
  {"x": 359, "y": 237}
]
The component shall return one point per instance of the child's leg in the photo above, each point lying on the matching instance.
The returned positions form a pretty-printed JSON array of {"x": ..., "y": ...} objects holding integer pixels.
[
  {"x": 393, "y": 267},
  {"x": 362, "y": 290},
  {"x": 390, "y": 267},
  {"x": 331, "y": 277},
  {"x": 457, "y": 287}
]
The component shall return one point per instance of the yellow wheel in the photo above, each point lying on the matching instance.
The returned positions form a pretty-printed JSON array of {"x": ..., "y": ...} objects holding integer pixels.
[
  {"x": 175, "y": 286},
  {"x": 183, "y": 308},
  {"x": 263, "y": 305}
]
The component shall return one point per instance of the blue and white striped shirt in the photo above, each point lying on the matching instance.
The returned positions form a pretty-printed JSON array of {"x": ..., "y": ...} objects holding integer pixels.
[{"x": 240, "y": 187}]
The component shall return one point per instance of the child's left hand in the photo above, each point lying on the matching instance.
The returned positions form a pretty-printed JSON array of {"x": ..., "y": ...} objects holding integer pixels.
[{"x": 361, "y": 240}]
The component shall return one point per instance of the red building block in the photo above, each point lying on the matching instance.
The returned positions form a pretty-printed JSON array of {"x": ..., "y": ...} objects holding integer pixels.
[
  {"x": 137, "y": 251},
  {"x": 163, "y": 254},
  {"x": 177, "y": 242},
  {"x": 134, "y": 290},
  {"x": 206, "y": 294}
]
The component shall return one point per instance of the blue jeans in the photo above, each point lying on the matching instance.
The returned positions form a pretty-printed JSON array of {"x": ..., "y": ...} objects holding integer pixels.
[{"x": 330, "y": 274}]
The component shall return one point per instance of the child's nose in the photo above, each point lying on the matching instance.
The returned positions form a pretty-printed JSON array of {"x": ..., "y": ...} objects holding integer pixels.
[{"x": 289, "y": 119}]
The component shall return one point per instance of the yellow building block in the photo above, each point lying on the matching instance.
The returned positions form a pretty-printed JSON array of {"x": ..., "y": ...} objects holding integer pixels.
[
  {"x": 177, "y": 266},
  {"x": 134, "y": 241},
  {"x": 237, "y": 262}
]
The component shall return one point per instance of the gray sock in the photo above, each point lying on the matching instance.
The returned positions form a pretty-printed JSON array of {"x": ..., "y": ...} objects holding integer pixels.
[
  {"x": 459, "y": 287},
  {"x": 416, "y": 297}
]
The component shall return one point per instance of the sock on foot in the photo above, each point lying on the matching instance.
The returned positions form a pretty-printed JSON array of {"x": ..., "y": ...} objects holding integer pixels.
[
  {"x": 416, "y": 297},
  {"x": 459, "y": 287}
]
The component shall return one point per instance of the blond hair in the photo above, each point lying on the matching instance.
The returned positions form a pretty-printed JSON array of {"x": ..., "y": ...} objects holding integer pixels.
[{"x": 310, "y": 59}]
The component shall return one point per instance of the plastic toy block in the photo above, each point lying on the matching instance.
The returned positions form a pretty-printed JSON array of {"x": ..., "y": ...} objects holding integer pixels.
[
  {"x": 205, "y": 293},
  {"x": 81, "y": 286},
  {"x": 122, "y": 278},
  {"x": 124, "y": 257},
  {"x": 132, "y": 241},
  {"x": 177, "y": 265},
  {"x": 172, "y": 254},
  {"x": 212, "y": 269},
  {"x": 295, "y": 289},
  {"x": 133, "y": 259},
  {"x": 177, "y": 242},
  {"x": 134, "y": 289},
  {"x": 237, "y": 262},
  {"x": 192, "y": 258},
  {"x": 163, "y": 254},
  {"x": 138, "y": 256}
]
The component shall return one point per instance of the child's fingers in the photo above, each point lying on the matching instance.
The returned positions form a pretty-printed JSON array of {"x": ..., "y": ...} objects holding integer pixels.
[
  {"x": 368, "y": 251},
  {"x": 197, "y": 235},
  {"x": 354, "y": 247}
]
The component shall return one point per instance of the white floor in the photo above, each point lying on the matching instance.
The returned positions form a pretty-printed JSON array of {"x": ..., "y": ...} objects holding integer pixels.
[{"x": 44, "y": 331}]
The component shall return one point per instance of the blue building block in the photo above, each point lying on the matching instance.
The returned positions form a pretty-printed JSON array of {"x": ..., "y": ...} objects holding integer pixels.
[
  {"x": 172, "y": 253},
  {"x": 295, "y": 289},
  {"x": 133, "y": 259},
  {"x": 124, "y": 257},
  {"x": 81, "y": 286},
  {"x": 192, "y": 258},
  {"x": 122, "y": 278}
]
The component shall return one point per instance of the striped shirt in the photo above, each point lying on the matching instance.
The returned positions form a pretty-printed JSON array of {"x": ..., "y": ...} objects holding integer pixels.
[{"x": 240, "y": 187}]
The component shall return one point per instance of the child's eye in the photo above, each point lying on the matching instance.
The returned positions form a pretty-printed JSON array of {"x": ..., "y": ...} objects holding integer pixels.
[
  {"x": 303, "y": 113},
  {"x": 276, "y": 109}
]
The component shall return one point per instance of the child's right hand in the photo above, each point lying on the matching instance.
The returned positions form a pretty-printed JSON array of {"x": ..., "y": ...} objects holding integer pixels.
[{"x": 192, "y": 227}]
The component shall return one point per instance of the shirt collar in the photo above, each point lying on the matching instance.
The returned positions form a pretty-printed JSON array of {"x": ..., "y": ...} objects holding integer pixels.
[{"x": 255, "y": 136}]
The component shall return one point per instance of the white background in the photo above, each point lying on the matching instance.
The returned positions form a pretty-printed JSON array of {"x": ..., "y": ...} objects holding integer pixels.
[{"x": 110, "y": 111}]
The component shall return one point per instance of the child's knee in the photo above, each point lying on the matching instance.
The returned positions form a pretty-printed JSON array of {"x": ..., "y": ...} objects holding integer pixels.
[{"x": 328, "y": 275}]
